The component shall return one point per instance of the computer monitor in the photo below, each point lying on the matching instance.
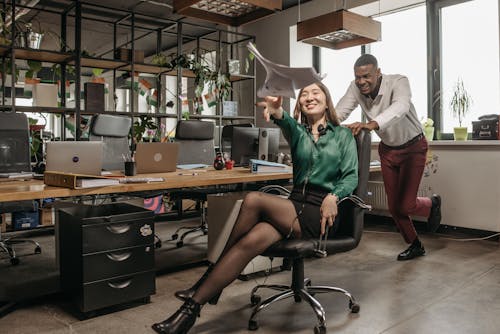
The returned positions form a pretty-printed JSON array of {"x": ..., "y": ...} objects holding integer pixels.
[
  {"x": 269, "y": 141},
  {"x": 244, "y": 145},
  {"x": 254, "y": 143},
  {"x": 14, "y": 143}
]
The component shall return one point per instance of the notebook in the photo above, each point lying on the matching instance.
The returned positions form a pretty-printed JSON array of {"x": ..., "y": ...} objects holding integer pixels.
[
  {"x": 156, "y": 157},
  {"x": 78, "y": 157}
]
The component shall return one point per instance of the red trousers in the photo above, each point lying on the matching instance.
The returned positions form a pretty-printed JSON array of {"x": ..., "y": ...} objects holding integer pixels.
[{"x": 402, "y": 171}]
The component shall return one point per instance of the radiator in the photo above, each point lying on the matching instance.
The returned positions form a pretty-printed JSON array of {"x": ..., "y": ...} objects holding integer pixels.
[{"x": 378, "y": 199}]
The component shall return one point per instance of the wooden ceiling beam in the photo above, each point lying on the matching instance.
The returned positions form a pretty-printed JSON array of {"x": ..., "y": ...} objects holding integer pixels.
[
  {"x": 181, "y": 5},
  {"x": 268, "y": 4}
]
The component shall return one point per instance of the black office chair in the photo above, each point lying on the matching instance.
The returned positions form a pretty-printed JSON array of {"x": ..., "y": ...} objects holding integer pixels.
[
  {"x": 348, "y": 236},
  {"x": 196, "y": 140},
  {"x": 15, "y": 158},
  {"x": 113, "y": 130}
]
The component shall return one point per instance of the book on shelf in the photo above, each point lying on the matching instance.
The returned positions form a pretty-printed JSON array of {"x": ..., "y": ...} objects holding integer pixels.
[
  {"x": 263, "y": 166},
  {"x": 77, "y": 181}
]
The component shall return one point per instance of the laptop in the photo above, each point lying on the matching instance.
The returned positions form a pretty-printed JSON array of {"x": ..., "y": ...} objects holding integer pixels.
[
  {"x": 156, "y": 157},
  {"x": 78, "y": 157}
]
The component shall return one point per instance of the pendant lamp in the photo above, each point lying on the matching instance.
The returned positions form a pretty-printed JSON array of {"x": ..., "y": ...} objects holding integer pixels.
[{"x": 338, "y": 30}]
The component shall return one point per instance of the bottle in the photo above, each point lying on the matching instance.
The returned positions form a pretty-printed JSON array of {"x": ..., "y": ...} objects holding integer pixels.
[{"x": 219, "y": 161}]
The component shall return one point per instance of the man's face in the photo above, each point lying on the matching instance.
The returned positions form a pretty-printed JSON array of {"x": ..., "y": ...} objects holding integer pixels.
[{"x": 366, "y": 78}]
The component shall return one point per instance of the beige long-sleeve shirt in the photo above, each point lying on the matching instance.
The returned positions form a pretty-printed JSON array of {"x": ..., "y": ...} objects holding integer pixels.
[{"x": 392, "y": 109}]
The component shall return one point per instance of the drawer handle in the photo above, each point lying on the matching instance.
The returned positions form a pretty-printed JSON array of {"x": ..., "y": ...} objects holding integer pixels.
[
  {"x": 118, "y": 229},
  {"x": 118, "y": 257},
  {"x": 120, "y": 285}
]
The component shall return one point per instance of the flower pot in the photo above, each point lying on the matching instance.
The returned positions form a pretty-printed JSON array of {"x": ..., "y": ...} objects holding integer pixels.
[
  {"x": 460, "y": 133},
  {"x": 429, "y": 133}
]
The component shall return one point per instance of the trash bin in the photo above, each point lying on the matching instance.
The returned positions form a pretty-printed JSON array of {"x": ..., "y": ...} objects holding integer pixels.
[{"x": 106, "y": 254}]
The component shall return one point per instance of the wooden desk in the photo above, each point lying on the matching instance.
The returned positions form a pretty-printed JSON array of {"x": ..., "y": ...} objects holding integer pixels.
[{"x": 36, "y": 189}]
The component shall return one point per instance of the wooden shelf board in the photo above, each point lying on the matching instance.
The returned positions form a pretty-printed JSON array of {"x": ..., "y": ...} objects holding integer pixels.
[
  {"x": 109, "y": 64},
  {"x": 42, "y": 55}
]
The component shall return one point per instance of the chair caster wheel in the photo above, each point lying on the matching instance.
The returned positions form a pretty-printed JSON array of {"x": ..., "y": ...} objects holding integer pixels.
[
  {"x": 158, "y": 244},
  {"x": 354, "y": 307},
  {"x": 255, "y": 299},
  {"x": 38, "y": 250},
  {"x": 175, "y": 236},
  {"x": 320, "y": 330},
  {"x": 180, "y": 244},
  {"x": 253, "y": 325},
  {"x": 14, "y": 261}
]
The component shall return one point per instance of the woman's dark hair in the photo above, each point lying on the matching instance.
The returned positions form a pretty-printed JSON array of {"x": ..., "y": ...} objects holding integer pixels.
[{"x": 331, "y": 115}]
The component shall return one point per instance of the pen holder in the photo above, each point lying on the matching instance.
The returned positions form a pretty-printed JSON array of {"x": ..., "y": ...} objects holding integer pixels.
[{"x": 130, "y": 168}]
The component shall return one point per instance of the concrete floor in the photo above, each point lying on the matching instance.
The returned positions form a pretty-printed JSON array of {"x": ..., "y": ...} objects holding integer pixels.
[{"x": 455, "y": 288}]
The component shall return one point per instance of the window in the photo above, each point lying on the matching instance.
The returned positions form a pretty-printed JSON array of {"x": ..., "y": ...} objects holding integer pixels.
[
  {"x": 469, "y": 50},
  {"x": 403, "y": 51},
  {"x": 338, "y": 67}
]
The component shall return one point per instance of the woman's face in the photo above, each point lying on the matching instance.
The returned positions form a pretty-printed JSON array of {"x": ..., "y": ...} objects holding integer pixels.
[{"x": 312, "y": 100}]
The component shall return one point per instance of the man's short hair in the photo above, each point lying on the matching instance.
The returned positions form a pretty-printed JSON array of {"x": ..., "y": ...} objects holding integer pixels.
[{"x": 366, "y": 59}]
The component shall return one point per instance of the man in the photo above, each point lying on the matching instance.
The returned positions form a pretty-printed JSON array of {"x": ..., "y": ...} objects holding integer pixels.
[{"x": 386, "y": 103}]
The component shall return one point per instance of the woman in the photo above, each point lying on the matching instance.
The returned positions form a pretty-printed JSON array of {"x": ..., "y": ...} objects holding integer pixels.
[{"x": 325, "y": 169}]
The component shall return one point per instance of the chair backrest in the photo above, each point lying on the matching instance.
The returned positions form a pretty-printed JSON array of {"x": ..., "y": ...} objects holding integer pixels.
[
  {"x": 196, "y": 140},
  {"x": 351, "y": 217},
  {"x": 14, "y": 143},
  {"x": 113, "y": 131}
]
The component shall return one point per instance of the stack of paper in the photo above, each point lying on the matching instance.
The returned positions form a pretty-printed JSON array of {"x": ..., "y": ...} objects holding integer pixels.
[
  {"x": 263, "y": 166},
  {"x": 283, "y": 80}
]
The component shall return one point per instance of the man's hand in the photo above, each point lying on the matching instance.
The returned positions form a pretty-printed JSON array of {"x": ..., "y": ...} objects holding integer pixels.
[
  {"x": 358, "y": 126},
  {"x": 329, "y": 211},
  {"x": 272, "y": 107}
]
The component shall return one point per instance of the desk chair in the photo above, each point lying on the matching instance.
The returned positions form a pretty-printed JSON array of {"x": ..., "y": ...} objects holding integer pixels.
[
  {"x": 196, "y": 146},
  {"x": 348, "y": 236},
  {"x": 15, "y": 158},
  {"x": 113, "y": 131}
]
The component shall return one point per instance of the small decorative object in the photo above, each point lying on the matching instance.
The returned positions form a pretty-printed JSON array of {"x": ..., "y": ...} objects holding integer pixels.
[
  {"x": 233, "y": 66},
  {"x": 428, "y": 126},
  {"x": 460, "y": 104},
  {"x": 219, "y": 162},
  {"x": 230, "y": 108},
  {"x": 229, "y": 164}
]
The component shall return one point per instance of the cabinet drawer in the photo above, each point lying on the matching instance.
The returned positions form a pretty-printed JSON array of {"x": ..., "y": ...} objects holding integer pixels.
[
  {"x": 118, "y": 290},
  {"x": 118, "y": 262},
  {"x": 107, "y": 236}
]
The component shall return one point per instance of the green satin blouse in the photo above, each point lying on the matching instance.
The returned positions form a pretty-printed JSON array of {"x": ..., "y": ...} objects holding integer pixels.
[{"x": 330, "y": 163}]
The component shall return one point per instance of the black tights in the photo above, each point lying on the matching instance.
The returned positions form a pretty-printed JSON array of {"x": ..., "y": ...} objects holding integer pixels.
[{"x": 250, "y": 237}]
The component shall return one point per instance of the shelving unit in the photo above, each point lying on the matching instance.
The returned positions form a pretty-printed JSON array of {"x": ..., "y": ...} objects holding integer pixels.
[{"x": 171, "y": 37}]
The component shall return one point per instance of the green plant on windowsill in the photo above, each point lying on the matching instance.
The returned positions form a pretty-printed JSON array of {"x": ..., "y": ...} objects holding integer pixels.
[
  {"x": 35, "y": 130},
  {"x": 460, "y": 104}
]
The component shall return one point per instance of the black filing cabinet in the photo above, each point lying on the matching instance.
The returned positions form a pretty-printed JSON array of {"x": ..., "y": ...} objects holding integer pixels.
[{"x": 106, "y": 254}]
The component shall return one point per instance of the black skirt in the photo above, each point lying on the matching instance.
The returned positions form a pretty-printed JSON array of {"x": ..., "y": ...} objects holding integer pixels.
[{"x": 307, "y": 201}]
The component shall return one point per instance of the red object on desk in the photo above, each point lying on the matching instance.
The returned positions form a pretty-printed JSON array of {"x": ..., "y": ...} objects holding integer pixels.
[{"x": 229, "y": 164}]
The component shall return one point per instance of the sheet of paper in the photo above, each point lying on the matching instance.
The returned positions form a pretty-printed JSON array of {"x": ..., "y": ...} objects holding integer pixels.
[{"x": 283, "y": 80}]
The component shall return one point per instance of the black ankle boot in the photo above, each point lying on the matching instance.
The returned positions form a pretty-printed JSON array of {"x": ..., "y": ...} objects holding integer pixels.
[
  {"x": 188, "y": 293},
  {"x": 181, "y": 321},
  {"x": 416, "y": 249}
]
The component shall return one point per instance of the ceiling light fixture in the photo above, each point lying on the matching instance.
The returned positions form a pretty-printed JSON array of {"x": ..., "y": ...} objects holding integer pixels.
[{"x": 339, "y": 29}]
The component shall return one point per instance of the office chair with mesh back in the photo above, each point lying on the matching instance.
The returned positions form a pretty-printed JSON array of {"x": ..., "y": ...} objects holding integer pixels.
[
  {"x": 15, "y": 158},
  {"x": 196, "y": 140},
  {"x": 113, "y": 131},
  {"x": 348, "y": 236}
]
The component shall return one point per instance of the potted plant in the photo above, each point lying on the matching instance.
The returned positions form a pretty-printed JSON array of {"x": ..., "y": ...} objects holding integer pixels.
[
  {"x": 428, "y": 126},
  {"x": 460, "y": 104}
]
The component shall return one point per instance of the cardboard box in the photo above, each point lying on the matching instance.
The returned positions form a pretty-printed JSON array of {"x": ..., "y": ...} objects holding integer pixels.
[
  {"x": 45, "y": 95},
  {"x": 126, "y": 55},
  {"x": 6, "y": 222}
]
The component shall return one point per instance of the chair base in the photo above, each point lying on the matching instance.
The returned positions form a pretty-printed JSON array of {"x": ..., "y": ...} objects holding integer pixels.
[
  {"x": 304, "y": 291},
  {"x": 6, "y": 246},
  {"x": 203, "y": 227}
]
